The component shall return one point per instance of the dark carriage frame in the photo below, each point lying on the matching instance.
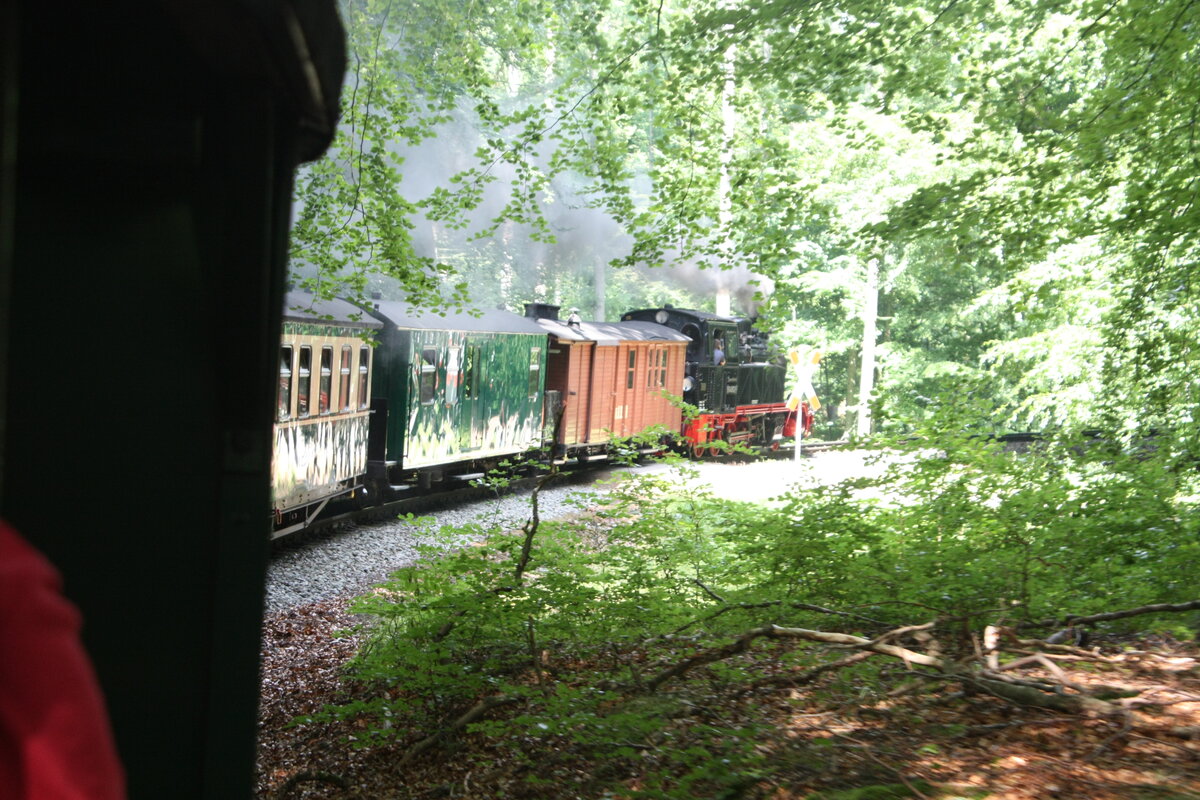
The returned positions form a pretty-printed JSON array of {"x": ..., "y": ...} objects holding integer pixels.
[{"x": 145, "y": 191}]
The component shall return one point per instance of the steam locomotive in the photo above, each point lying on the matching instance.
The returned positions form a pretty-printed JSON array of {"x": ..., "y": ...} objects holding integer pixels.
[
  {"x": 377, "y": 402},
  {"x": 738, "y": 391}
]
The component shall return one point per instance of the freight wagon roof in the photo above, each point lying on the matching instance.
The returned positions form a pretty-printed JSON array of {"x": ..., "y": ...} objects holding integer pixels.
[
  {"x": 304, "y": 307},
  {"x": 611, "y": 333},
  {"x": 402, "y": 315}
]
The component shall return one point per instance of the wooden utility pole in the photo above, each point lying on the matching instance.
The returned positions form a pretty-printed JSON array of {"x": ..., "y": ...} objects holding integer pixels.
[{"x": 725, "y": 185}]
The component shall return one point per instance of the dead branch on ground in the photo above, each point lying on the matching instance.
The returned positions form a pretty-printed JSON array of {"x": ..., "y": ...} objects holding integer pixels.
[
  {"x": 725, "y": 609},
  {"x": 475, "y": 712},
  {"x": 1038, "y": 694},
  {"x": 1071, "y": 619}
]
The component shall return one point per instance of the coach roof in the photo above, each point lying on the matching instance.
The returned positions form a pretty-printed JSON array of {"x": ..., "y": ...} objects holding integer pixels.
[
  {"x": 402, "y": 315},
  {"x": 610, "y": 333},
  {"x": 304, "y": 307}
]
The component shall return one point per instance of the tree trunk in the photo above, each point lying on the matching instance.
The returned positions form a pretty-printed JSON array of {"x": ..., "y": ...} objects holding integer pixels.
[
  {"x": 725, "y": 187},
  {"x": 866, "y": 377},
  {"x": 600, "y": 282},
  {"x": 848, "y": 397}
]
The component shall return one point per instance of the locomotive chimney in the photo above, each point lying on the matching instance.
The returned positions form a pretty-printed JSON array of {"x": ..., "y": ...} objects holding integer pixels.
[
  {"x": 541, "y": 311},
  {"x": 724, "y": 303}
]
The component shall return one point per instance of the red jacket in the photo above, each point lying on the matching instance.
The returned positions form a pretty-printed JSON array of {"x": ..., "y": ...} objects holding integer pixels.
[{"x": 55, "y": 739}]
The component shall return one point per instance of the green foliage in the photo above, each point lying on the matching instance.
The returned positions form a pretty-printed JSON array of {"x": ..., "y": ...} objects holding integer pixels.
[
  {"x": 572, "y": 620},
  {"x": 1070, "y": 524},
  {"x": 1024, "y": 173}
]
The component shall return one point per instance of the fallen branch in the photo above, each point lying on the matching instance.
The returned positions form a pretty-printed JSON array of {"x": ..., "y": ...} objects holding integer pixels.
[
  {"x": 1057, "y": 672},
  {"x": 1191, "y": 754},
  {"x": 1028, "y": 656},
  {"x": 1040, "y": 645},
  {"x": 475, "y": 712},
  {"x": 1041, "y": 686},
  {"x": 808, "y": 675},
  {"x": 1126, "y": 727},
  {"x": 771, "y": 604},
  {"x": 708, "y": 591},
  {"x": 1025, "y": 693},
  {"x": 903, "y": 653},
  {"x": 983, "y": 730},
  {"x": 310, "y": 776},
  {"x": 1037, "y": 698},
  {"x": 739, "y": 645},
  {"x": 1158, "y": 608},
  {"x": 743, "y": 642},
  {"x": 1175, "y": 661},
  {"x": 895, "y": 634}
]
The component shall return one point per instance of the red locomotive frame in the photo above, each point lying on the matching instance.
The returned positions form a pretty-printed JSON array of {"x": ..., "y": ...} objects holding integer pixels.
[{"x": 709, "y": 434}]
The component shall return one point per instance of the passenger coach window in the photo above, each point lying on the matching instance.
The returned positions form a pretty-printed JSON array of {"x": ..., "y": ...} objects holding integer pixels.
[
  {"x": 632, "y": 368},
  {"x": 302, "y": 392},
  {"x": 535, "y": 370},
  {"x": 656, "y": 373},
  {"x": 453, "y": 374},
  {"x": 694, "y": 348},
  {"x": 326, "y": 378},
  {"x": 428, "y": 374},
  {"x": 364, "y": 367},
  {"x": 344, "y": 380},
  {"x": 471, "y": 373},
  {"x": 285, "y": 382}
]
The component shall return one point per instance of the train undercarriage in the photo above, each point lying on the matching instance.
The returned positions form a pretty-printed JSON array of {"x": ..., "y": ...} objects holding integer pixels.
[{"x": 759, "y": 428}]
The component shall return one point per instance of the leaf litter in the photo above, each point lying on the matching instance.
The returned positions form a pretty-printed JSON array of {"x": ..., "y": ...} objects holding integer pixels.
[{"x": 830, "y": 739}]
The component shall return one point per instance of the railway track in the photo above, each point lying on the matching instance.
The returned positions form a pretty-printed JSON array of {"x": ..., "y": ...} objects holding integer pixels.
[
  {"x": 348, "y": 554},
  {"x": 457, "y": 491},
  {"x": 466, "y": 489},
  {"x": 817, "y": 447}
]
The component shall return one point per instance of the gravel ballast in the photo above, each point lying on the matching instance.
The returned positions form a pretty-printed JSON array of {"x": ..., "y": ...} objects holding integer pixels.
[{"x": 350, "y": 559}]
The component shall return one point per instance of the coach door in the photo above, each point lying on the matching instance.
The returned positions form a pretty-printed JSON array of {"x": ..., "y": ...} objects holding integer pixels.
[
  {"x": 472, "y": 406},
  {"x": 625, "y": 390}
]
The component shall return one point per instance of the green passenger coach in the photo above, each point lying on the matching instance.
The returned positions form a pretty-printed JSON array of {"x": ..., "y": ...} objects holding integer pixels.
[{"x": 459, "y": 391}]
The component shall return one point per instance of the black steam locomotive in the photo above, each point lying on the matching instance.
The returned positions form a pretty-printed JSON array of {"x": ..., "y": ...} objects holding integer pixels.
[{"x": 738, "y": 391}]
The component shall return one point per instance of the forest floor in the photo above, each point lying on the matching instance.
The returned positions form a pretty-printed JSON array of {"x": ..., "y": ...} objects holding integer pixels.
[
  {"x": 817, "y": 742},
  {"x": 829, "y": 739}
]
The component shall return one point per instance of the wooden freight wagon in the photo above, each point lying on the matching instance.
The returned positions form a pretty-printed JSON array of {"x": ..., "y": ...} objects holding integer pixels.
[{"x": 608, "y": 379}]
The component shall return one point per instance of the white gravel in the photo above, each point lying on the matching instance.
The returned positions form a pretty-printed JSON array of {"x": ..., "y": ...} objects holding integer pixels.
[{"x": 352, "y": 559}]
